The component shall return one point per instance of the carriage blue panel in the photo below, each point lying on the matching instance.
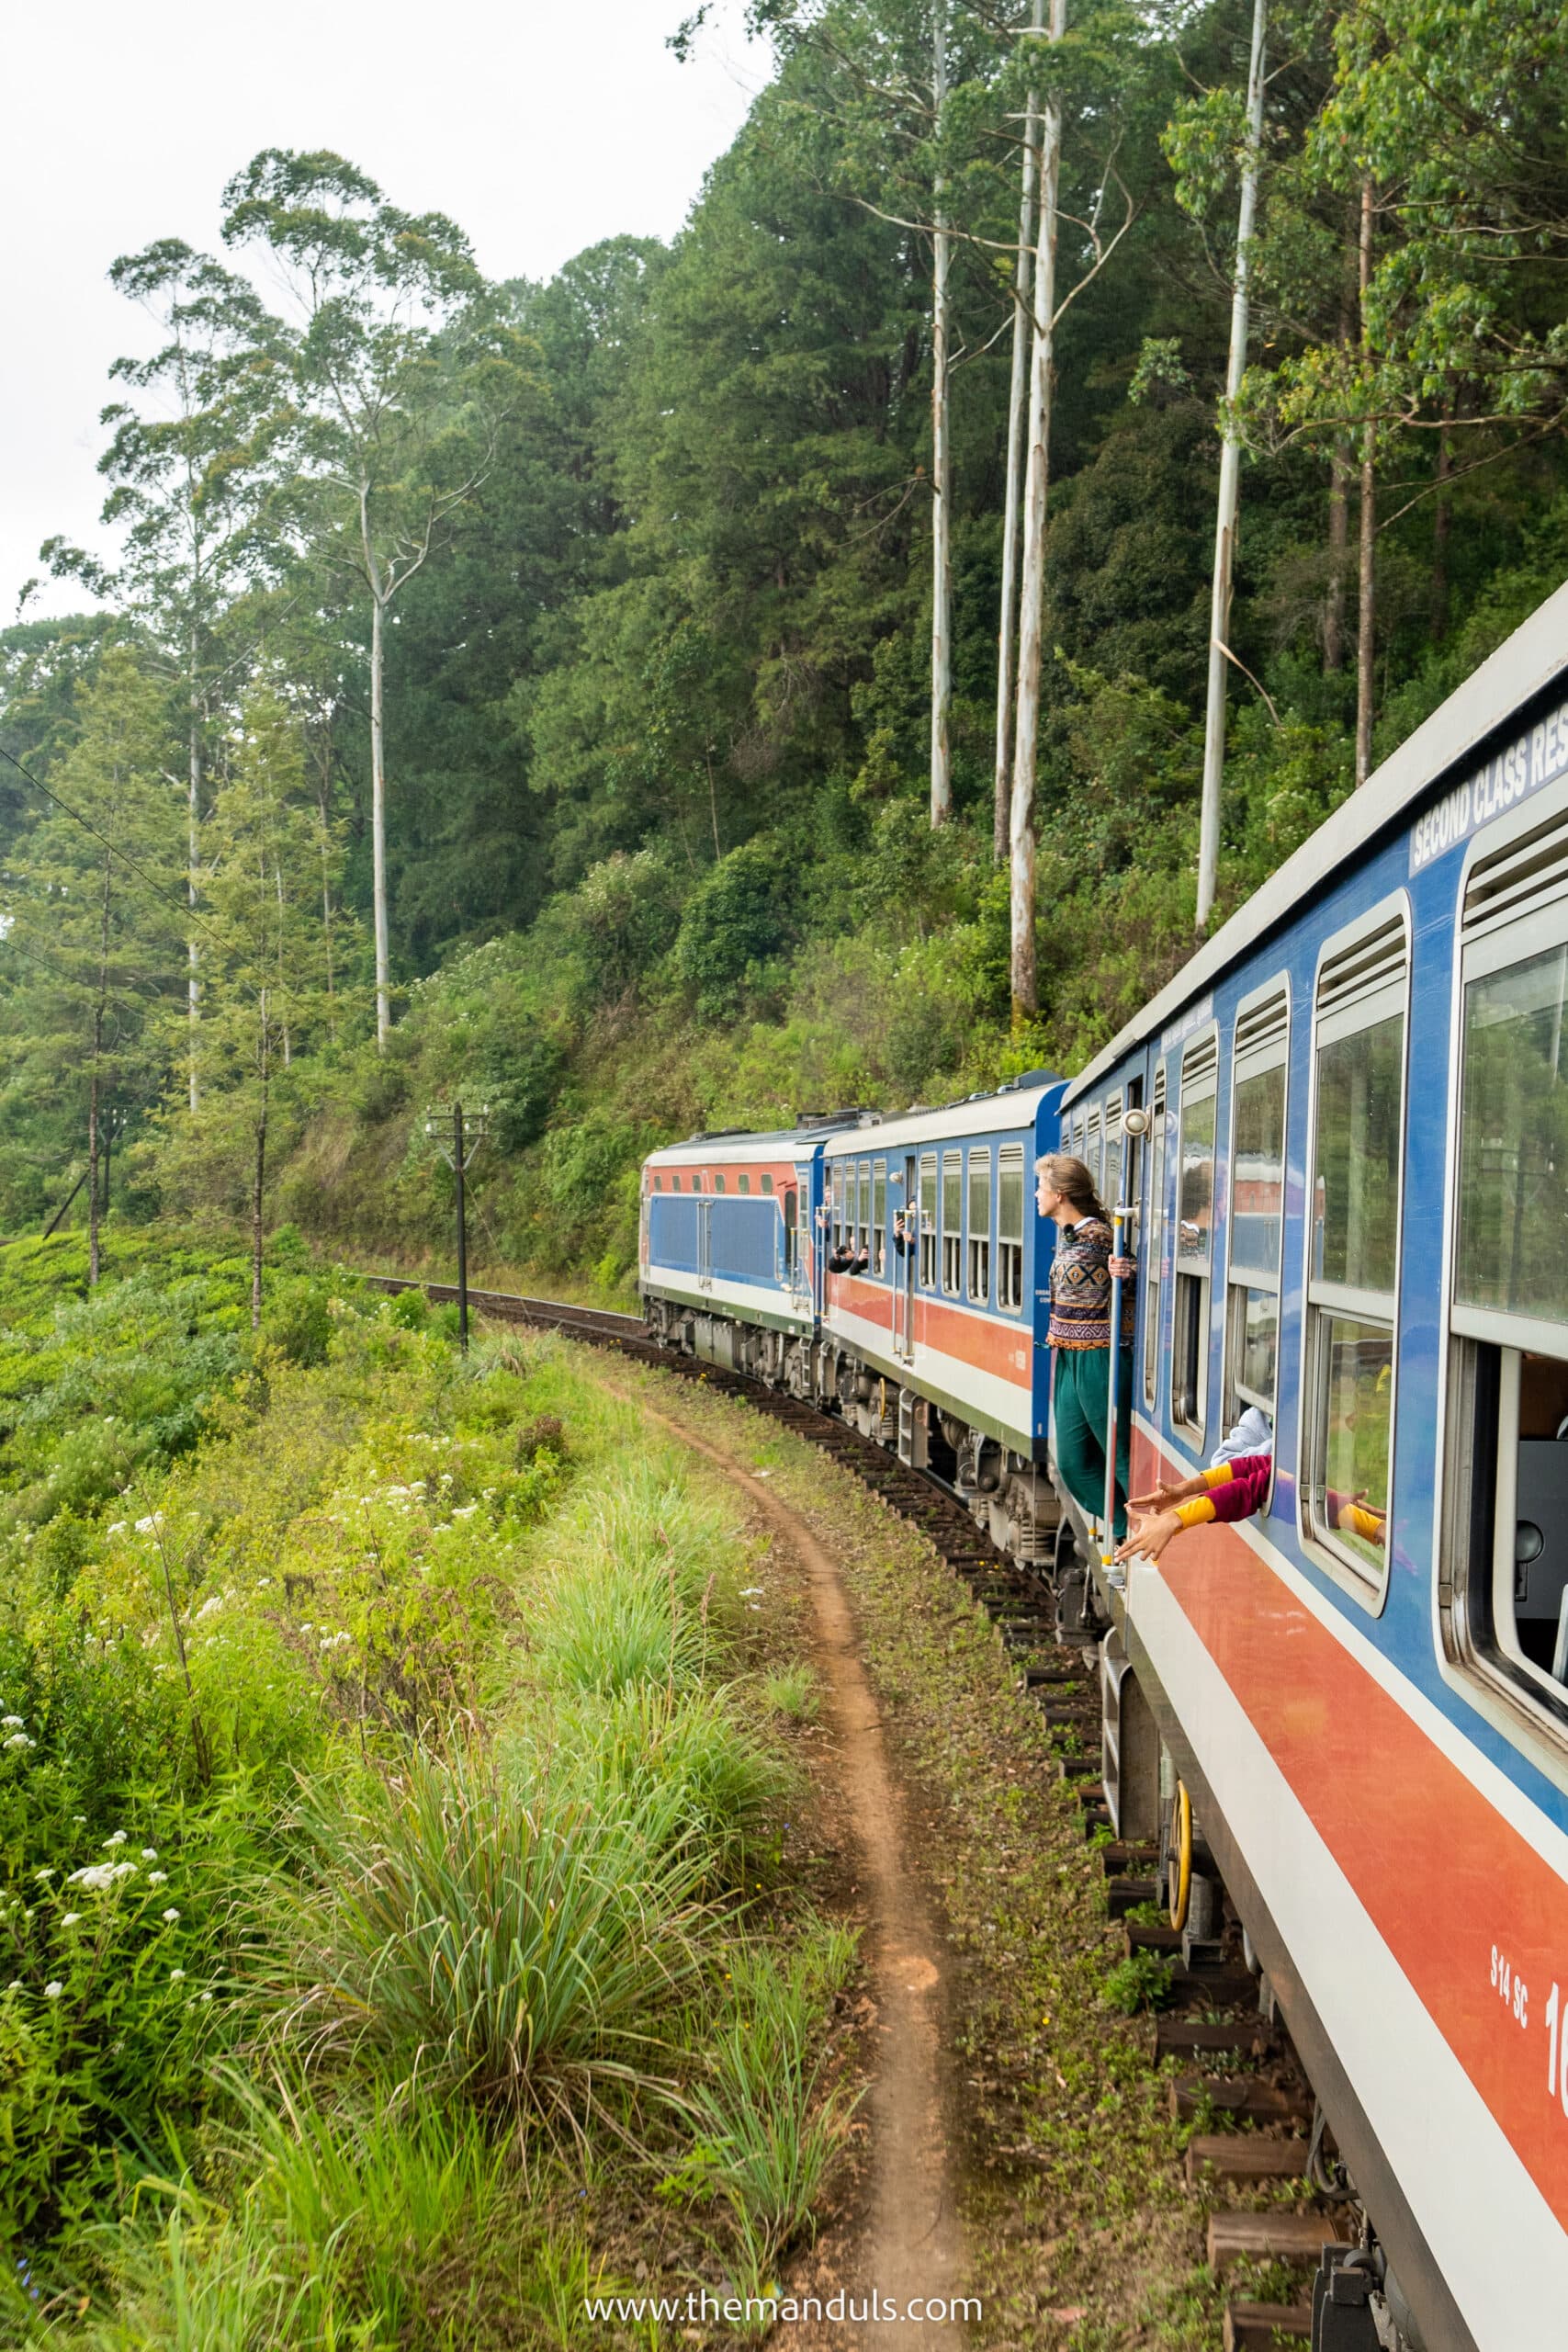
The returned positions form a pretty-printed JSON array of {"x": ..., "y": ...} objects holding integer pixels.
[
  {"x": 672, "y": 1233},
  {"x": 741, "y": 1239}
]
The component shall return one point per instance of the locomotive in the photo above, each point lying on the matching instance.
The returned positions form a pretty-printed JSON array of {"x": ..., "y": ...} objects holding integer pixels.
[{"x": 1339, "y": 1142}]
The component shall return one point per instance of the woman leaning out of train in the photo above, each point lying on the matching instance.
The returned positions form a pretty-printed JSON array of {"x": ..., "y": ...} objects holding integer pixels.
[{"x": 1082, "y": 1272}]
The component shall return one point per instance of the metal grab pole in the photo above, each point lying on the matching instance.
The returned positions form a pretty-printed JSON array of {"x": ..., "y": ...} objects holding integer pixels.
[
  {"x": 1108, "y": 1542},
  {"x": 462, "y": 1231}
]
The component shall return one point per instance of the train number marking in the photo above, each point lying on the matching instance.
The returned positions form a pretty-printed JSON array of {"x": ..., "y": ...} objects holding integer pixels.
[
  {"x": 1557, "y": 2048},
  {"x": 1511, "y": 1990}
]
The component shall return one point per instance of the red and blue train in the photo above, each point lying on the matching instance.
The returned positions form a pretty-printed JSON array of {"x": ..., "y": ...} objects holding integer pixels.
[{"x": 1340, "y": 1136}]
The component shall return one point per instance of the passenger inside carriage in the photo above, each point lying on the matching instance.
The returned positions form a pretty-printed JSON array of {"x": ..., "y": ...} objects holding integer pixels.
[{"x": 1540, "y": 1515}]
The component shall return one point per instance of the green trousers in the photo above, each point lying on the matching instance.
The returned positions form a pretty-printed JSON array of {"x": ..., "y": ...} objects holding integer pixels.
[{"x": 1080, "y": 1407}]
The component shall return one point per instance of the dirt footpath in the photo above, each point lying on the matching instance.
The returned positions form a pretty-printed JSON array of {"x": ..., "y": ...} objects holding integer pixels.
[
  {"x": 907, "y": 2243},
  {"x": 1019, "y": 2148}
]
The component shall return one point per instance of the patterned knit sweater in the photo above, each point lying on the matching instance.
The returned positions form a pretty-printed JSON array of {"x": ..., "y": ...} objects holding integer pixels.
[{"x": 1080, "y": 1289}]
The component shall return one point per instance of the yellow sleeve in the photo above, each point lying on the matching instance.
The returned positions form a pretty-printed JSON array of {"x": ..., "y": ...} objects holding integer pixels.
[
  {"x": 1218, "y": 1474},
  {"x": 1194, "y": 1513}
]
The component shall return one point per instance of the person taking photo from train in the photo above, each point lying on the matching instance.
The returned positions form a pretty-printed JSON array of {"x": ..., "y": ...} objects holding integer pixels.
[{"x": 1082, "y": 1272}]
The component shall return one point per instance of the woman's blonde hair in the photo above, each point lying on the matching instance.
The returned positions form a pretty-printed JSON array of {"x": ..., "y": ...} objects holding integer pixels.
[{"x": 1072, "y": 1179}]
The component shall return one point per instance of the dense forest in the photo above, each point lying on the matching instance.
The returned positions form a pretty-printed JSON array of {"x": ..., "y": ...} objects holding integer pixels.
[{"x": 525, "y": 691}]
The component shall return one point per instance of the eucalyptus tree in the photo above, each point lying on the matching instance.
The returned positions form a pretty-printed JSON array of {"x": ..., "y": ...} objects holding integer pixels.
[
  {"x": 191, "y": 459},
  {"x": 400, "y": 375},
  {"x": 1102, "y": 71}
]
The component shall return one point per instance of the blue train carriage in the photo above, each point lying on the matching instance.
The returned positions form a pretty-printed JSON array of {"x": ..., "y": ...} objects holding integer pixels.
[
  {"x": 1352, "y": 1215},
  {"x": 728, "y": 1262},
  {"x": 931, "y": 1350}
]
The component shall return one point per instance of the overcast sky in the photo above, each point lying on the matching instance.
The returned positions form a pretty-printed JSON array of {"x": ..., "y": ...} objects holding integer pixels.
[{"x": 538, "y": 125}]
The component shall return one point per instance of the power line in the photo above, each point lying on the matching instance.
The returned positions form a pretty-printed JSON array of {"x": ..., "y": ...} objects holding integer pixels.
[{"x": 186, "y": 911}]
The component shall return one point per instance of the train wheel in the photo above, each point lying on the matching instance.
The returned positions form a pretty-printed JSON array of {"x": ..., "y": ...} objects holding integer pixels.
[{"x": 1179, "y": 1858}]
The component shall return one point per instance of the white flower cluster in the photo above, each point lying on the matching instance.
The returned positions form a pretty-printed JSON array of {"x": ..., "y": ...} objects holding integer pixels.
[{"x": 17, "y": 1736}]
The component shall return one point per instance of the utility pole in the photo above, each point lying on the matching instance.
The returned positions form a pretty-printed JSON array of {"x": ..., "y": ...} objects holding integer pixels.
[
  {"x": 942, "y": 463},
  {"x": 1230, "y": 487},
  {"x": 1023, "y": 280},
  {"x": 466, "y": 1138}
]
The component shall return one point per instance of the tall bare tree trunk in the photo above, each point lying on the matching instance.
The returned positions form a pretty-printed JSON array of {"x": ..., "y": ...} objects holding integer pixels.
[
  {"x": 1366, "y": 608},
  {"x": 258, "y": 1170},
  {"x": 1339, "y": 473},
  {"x": 941, "y": 465},
  {"x": 193, "y": 983},
  {"x": 1230, "y": 489},
  {"x": 94, "y": 1251},
  {"x": 282, "y": 977},
  {"x": 1023, "y": 279},
  {"x": 378, "y": 801},
  {"x": 1032, "y": 594}
]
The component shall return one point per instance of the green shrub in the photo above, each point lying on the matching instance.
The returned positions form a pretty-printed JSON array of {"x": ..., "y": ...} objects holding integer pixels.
[{"x": 1141, "y": 1981}]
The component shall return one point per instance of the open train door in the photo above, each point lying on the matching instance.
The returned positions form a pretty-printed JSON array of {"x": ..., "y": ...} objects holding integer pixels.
[{"x": 904, "y": 1267}]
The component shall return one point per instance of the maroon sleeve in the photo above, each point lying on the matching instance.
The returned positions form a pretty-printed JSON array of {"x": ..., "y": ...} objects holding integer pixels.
[{"x": 1244, "y": 1490}]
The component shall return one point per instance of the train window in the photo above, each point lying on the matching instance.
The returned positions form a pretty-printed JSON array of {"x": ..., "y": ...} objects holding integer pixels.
[
  {"x": 767, "y": 1185},
  {"x": 1010, "y": 1227},
  {"x": 791, "y": 1228},
  {"x": 1153, "y": 1245},
  {"x": 719, "y": 1183},
  {"x": 659, "y": 1184},
  {"x": 1111, "y": 1167},
  {"x": 928, "y": 1219},
  {"x": 1353, "y": 1242},
  {"x": 1506, "y": 1566},
  {"x": 1091, "y": 1152},
  {"x": 743, "y": 1184},
  {"x": 1256, "y": 1202},
  {"x": 879, "y": 1218},
  {"x": 1194, "y": 1234},
  {"x": 863, "y": 1210},
  {"x": 837, "y": 1181},
  {"x": 953, "y": 1223},
  {"x": 980, "y": 1226}
]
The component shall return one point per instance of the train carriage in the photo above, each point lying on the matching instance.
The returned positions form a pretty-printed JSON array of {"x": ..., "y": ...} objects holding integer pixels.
[
  {"x": 932, "y": 1347},
  {"x": 728, "y": 1260},
  {"x": 1341, "y": 1138},
  {"x": 1351, "y": 1214}
]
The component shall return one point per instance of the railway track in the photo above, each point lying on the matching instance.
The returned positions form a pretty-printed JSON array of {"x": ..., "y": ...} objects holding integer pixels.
[{"x": 1216, "y": 2018}]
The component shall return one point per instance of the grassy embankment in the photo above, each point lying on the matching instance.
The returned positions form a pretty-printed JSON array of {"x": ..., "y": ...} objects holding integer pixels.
[
  {"x": 392, "y": 1807},
  {"x": 1083, "y": 2233}
]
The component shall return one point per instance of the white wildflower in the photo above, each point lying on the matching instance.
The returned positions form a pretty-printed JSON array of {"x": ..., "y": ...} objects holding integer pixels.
[
  {"x": 147, "y": 1526},
  {"x": 72, "y": 1920},
  {"x": 157, "y": 1878},
  {"x": 124, "y": 1870},
  {"x": 177, "y": 1976},
  {"x": 169, "y": 1916},
  {"x": 465, "y": 1510},
  {"x": 149, "y": 1853},
  {"x": 20, "y": 1739},
  {"x": 53, "y": 1992},
  {"x": 13, "y": 1723},
  {"x": 46, "y": 1874},
  {"x": 207, "y": 1997},
  {"x": 214, "y": 1600}
]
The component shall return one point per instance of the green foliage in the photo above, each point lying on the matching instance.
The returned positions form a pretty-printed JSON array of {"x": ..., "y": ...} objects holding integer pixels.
[{"x": 1142, "y": 1981}]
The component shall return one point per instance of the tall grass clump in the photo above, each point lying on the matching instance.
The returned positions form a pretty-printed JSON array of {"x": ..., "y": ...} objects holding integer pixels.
[
  {"x": 643, "y": 1590},
  {"x": 704, "y": 1782},
  {"x": 513, "y": 1943},
  {"x": 769, "y": 2131}
]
